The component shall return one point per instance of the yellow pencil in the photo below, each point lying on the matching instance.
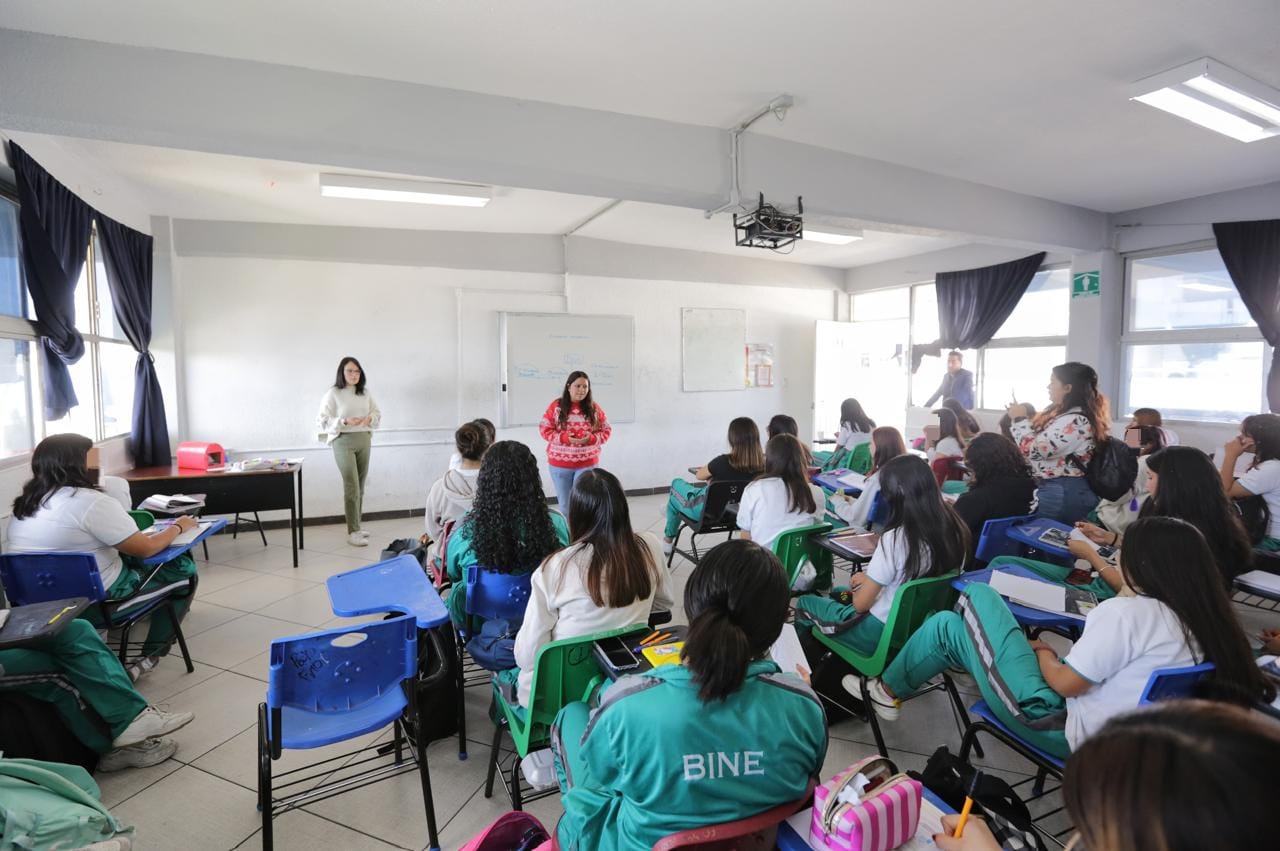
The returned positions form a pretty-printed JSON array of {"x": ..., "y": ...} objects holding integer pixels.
[
  {"x": 968, "y": 804},
  {"x": 59, "y": 614}
]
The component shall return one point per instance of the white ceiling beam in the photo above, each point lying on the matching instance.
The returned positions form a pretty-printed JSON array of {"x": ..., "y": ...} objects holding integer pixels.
[{"x": 144, "y": 96}]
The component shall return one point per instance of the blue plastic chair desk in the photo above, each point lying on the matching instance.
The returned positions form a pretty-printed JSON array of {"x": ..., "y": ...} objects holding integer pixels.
[
  {"x": 790, "y": 839},
  {"x": 394, "y": 585},
  {"x": 1029, "y": 531},
  {"x": 170, "y": 553},
  {"x": 830, "y": 481},
  {"x": 1026, "y": 616}
]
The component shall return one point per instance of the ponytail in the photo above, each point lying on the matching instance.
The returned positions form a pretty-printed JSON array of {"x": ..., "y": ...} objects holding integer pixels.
[{"x": 736, "y": 599}]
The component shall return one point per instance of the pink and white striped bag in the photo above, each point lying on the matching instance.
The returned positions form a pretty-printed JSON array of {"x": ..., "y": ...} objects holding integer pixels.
[{"x": 886, "y": 816}]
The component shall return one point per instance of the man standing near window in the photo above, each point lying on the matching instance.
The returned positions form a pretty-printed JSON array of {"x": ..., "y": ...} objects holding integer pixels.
[{"x": 956, "y": 384}]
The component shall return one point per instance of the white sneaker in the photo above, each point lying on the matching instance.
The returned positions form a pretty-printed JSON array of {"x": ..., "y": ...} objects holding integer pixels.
[
  {"x": 362, "y": 533},
  {"x": 888, "y": 708},
  {"x": 356, "y": 540},
  {"x": 150, "y": 723},
  {"x": 147, "y": 752},
  {"x": 668, "y": 547}
]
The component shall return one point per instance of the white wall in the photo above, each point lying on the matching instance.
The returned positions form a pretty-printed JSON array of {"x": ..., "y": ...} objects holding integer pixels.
[
  {"x": 261, "y": 339},
  {"x": 1191, "y": 220}
]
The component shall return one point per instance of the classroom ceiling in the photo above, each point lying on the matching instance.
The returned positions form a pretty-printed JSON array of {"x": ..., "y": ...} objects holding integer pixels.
[
  {"x": 197, "y": 185},
  {"x": 1029, "y": 97}
]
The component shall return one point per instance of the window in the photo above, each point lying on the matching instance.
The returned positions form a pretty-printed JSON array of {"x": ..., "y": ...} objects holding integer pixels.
[
  {"x": 103, "y": 378},
  {"x": 17, "y": 398},
  {"x": 1019, "y": 357},
  {"x": 13, "y": 296},
  {"x": 1190, "y": 348}
]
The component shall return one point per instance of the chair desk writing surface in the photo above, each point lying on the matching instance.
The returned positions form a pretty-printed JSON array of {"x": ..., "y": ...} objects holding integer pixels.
[
  {"x": 395, "y": 585},
  {"x": 228, "y": 492},
  {"x": 171, "y": 552},
  {"x": 1029, "y": 531},
  {"x": 37, "y": 621},
  {"x": 830, "y": 480},
  {"x": 1037, "y": 619}
]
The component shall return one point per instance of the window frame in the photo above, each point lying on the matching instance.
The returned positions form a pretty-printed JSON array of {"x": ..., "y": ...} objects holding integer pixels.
[
  {"x": 1179, "y": 336},
  {"x": 979, "y": 359},
  {"x": 19, "y": 328}
]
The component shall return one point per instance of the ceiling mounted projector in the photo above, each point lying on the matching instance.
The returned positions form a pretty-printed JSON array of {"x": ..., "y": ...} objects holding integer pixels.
[{"x": 768, "y": 227}]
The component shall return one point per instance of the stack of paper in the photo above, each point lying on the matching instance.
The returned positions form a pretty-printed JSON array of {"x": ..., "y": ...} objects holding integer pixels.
[
  {"x": 1046, "y": 596},
  {"x": 1267, "y": 584}
]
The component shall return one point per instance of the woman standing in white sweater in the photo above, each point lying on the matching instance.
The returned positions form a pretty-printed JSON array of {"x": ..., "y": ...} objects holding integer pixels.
[
  {"x": 348, "y": 416},
  {"x": 608, "y": 578}
]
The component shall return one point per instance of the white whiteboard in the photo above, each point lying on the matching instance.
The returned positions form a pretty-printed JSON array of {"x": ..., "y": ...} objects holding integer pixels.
[
  {"x": 539, "y": 350},
  {"x": 714, "y": 348}
]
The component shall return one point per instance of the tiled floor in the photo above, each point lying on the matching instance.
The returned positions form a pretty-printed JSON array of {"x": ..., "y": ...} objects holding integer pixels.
[{"x": 205, "y": 797}]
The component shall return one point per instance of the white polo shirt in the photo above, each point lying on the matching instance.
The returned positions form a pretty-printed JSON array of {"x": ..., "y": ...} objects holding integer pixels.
[
  {"x": 76, "y": 520},
  {"x": 765, "y": 514}
]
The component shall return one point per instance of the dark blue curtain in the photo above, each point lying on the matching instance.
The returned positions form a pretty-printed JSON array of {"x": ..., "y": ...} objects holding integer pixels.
[
  {"x": 128, "y": 259},
  {"x": 1251, "y": 253},
  {"x": 974, "y": 303},
  {"x": 55, "y": 228}
]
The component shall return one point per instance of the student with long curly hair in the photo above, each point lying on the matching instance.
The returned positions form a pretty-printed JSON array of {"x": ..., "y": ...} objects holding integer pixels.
[
  {"x": 1001, "y": 485},
  {"x": 509, "y": 529}
]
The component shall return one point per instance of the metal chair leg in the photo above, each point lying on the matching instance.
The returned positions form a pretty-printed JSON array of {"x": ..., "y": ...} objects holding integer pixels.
[
  {"x": 517, "y": 801},
  {"x": 462, "y": 698},
  {"x": 675, "y": 542},
  {"x": 181, "y": 639},
  {"x": 235, "y": 526},
  {"x": 124, "y": 643},
  {"x": 960, "y": 712},
  {"x": 493, "y": 760},
  {"x": 264, "y": 779},
  {"x": 424, "y": 773}
]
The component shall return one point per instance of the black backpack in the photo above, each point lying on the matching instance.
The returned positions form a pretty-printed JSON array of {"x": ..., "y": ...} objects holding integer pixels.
[
  {"x": 1112, "y": 470},
  {"x": 1007, "y": 816}
]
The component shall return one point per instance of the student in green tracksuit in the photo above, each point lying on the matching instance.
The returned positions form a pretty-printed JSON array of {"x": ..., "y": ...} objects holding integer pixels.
[
  {"x": 742, "y": 463},
  {"x": 1178, "y": 615},
  {"x": 509, "y": 528},
  {"x": 923, "y": 537},
  {"x": 129, "y": 736},
  {"x": 723, "y": 736}
]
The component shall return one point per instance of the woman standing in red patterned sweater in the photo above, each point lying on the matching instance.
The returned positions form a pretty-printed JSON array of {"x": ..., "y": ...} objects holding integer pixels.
[{"x": 574, "y": 428}]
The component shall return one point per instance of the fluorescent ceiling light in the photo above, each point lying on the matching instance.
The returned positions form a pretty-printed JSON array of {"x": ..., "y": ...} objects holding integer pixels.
[
  {"x": 406, "y": 191},
  {"x": 1204, "y": 288},
  {"x": 831, "y": 236},
  {"x": 1214, "y": 96}
]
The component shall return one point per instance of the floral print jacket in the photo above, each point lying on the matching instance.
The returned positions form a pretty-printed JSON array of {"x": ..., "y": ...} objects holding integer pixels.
[{"x": 1048, "y": 449}]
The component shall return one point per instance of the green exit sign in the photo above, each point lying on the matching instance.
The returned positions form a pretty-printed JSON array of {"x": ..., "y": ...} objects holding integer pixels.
[{"x": 1085, "y": 284}]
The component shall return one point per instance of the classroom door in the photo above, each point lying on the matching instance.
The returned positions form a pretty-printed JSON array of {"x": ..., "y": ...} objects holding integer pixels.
[{"x": 866, "y": 360}]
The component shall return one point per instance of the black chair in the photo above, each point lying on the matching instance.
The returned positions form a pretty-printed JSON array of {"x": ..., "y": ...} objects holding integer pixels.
[
  {"x": 31, "y": 729},
  {"x": 719, "y": 514}
]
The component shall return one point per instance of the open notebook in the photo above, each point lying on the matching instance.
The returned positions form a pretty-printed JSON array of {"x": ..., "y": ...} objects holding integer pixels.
[{"x": 187, "y": 536}]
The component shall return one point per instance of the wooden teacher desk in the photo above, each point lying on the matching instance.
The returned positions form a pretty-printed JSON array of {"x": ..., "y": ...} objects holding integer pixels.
[{"x": 228, "y": 492}]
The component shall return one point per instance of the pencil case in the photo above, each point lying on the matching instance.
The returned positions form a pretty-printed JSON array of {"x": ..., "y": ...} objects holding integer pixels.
[{"x": 867, "y": 807}]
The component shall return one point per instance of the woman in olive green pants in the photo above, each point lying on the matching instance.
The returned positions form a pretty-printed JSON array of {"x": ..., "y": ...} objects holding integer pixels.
[{"x": 348, "y": 416}]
